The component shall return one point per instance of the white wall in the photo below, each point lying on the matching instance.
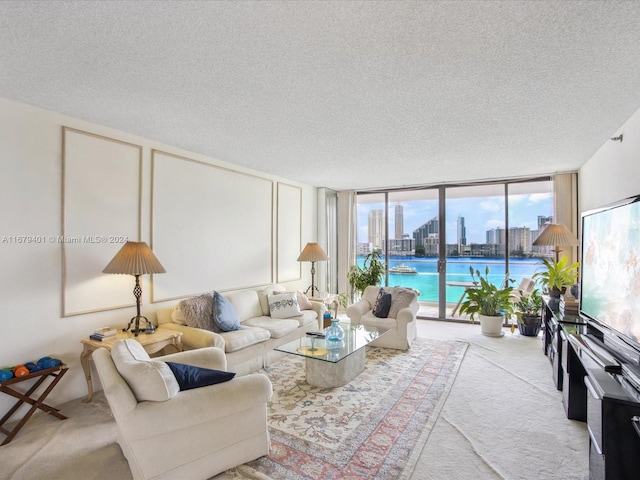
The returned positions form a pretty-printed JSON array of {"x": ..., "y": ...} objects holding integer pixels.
[
  {"x": 613, "y": 173},
  {"x": 32, "y": 325}
]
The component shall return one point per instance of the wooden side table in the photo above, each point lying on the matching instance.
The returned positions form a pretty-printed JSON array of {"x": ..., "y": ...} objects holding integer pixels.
[
  {"x": 55, "y": 373},
  {"x": 152, "y": 343}
]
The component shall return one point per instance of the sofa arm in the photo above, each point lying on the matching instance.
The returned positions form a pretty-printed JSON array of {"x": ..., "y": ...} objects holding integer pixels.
[
  {"x": 319, "y": 308},
  {"x": 357, "y": 310},
  {"x": 195, "y": 337},
  {"x": 202, "y": 404},
  {"x": 209, "y": 357}
]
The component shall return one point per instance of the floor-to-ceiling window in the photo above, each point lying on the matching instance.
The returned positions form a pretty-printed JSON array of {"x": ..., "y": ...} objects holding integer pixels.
[{"x": 429, "y": 238}]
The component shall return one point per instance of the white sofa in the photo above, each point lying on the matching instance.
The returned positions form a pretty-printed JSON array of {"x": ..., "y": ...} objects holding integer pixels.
[
  {"x": 192, "y": 434},
  {"x": 401, "y": 320},
  {"x": 246, "y": 349}
]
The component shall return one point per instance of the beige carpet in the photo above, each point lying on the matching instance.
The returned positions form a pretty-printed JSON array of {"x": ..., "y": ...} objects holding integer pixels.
[{"x": 503, "y": 418}]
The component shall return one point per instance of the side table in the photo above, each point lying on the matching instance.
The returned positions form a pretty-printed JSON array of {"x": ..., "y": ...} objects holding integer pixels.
[
  {"x": 36, "y": 403},
  {"x": 331, "y": 300},
  {"x": 152, "y": 343}
]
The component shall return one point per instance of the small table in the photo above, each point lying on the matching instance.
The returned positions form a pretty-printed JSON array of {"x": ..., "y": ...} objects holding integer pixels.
[
  {"x": 330, "y": 368},
  {"x": 467, "y": 286},
  {"x": 331, "y": 300},
  {"x": 36, "y": 403},
  {"x": 152, "y": 343}
]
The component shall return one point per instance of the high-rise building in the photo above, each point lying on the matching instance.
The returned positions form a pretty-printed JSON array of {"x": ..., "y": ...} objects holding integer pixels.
[
  {"x": 399, "y": 214},
  {"x": 425, "y": 234},
  {"x": 462, "y": 233},
  {"x": 376, "y": 229}
]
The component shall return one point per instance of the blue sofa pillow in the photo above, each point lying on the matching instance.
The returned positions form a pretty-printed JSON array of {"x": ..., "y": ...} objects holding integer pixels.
[
  {"x": 224, "y": 314},
  {"x": 189, "y": 377}
]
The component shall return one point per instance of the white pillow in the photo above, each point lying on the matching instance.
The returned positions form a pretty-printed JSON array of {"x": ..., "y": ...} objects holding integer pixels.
[
  {"x": 284, "y": 305},
  {"x": 149, "y": 379},
  {"x": 177, "y": 316}
]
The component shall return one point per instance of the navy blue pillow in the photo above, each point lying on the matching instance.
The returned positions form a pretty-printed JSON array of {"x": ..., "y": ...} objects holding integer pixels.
[
  {"x": 383, "y": 304},
  {"x": 224, "y": 313},
  {"x": 189, "y": 377}
]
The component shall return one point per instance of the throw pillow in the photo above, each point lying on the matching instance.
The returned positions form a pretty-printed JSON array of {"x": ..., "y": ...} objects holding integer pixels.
[
  {"x": 149, "y": 380},
  {"x": 303, "y": 301},
  {"x": 189, "y": 376},
  {"x": 401, "y": 298},
  {"x": 198, "y": 312},
  {"x": 284, "y": 305},
  {"x": 224, "y": 314},
  {"x": 383, "y": 304}
]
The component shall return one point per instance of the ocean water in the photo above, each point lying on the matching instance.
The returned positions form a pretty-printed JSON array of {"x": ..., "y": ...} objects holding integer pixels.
[{"x": 426, "y": 280}]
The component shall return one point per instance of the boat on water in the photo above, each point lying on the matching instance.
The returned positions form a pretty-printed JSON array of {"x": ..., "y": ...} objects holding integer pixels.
[{"x": 402, "y": 268}]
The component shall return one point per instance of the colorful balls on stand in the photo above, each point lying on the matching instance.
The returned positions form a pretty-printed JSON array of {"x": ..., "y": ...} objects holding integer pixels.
[
  {"x": 33, "y": 367},
  {"x": 5, "y": 375},
  {"x": 20, "y": 371},
  {"x": 48, "y": 362}
]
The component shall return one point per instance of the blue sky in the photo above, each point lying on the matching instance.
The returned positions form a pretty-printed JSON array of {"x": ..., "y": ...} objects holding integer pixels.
[{"x": 480, "y": 213}]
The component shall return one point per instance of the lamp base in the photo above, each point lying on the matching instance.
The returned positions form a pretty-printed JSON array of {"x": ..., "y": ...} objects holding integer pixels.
[
  {"x": 311, "y": 291},
  {"x": 149, "y": 328}
]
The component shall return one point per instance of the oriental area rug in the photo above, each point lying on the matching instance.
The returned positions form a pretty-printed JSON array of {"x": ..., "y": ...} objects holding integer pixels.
[{"x": 374, "y": 427}]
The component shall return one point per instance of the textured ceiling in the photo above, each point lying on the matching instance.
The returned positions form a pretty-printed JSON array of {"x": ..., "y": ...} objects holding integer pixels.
[{"x": 339, "y": 94}]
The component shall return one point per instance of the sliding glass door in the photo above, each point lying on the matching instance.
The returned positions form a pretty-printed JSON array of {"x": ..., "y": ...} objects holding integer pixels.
[{"x": 430, "y": 238}]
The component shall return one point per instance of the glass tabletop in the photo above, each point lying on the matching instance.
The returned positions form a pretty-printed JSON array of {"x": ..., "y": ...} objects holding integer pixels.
[{"x": 355, "y": 338}]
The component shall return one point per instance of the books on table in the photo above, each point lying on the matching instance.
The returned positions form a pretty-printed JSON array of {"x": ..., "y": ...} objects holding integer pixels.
[{"x": 103, "y": 333}]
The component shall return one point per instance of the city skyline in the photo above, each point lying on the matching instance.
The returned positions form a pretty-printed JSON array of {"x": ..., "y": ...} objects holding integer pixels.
[{"x": 481, "y": 215}]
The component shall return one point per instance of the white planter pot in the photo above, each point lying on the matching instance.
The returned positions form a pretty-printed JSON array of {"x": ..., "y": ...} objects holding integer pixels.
[{"x": 491, "y": 326}]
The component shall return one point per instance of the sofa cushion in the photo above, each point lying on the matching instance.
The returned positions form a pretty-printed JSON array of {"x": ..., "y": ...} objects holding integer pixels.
[
  {"x": 190, "y": 376},
  {"x": 284, "y": 305},
  {"x": 148, "y": 379},
  {"x": 198, "y": 312},
  {"x": 246, "y": 303},
  {"x": 370, "y": 320},
  {"x": 306, "y": 317},
  {"x": 303, "y": 301},
  {"x": 262, "y": 296},
  {"x": 401, "y": 298},
  {"x": 382, "y": 305},
  {"x": 243, "y": 338},
  {"x": 224, "y": 314},
  {"x": 277, "y": 327}
]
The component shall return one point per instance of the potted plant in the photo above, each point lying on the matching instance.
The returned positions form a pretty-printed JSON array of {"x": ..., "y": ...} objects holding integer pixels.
[
  {"x": 557, "y": 276},
  {"x": 369, "y": 274},
  {"x": 529, "y": 312},
  {"x": 490, "y": 303}
]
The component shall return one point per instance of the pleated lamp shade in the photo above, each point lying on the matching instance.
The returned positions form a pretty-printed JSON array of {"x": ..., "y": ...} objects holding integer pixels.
[
  {"x": 312, "y": 252},
  {"x": 556, "y": 235},
  {"x": 134, "y": 258}
]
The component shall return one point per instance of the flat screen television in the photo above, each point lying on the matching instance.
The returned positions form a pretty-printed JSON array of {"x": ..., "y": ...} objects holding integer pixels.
[{"x": 610, "y": 275}]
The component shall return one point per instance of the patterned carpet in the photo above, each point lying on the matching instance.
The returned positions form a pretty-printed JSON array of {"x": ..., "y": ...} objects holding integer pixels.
[{"x": 372, "y": 428}]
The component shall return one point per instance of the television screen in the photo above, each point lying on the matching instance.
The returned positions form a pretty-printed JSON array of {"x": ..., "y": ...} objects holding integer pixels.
[{"x": 610, "y": 267}]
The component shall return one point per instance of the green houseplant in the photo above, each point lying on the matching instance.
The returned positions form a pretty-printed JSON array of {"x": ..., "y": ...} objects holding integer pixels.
[
  {"x": 489, "y": 302},
  {"x": 529, "y": 312},
  {"x": 369, "y": 274},
  {"x": 557, "y": 276}
]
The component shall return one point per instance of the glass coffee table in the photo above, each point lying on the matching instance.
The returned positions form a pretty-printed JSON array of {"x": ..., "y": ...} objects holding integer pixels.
[{"x": 330, "y": 366}]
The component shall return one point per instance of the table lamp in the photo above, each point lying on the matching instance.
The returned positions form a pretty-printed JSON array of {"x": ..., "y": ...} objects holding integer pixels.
[
  {"x": 135, "y": 258},
  {"x": 556, "y": 235},
  {"x": 313, "y": 253}
]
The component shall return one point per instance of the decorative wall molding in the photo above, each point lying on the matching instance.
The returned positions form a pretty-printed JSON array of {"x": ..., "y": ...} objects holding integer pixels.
[
  {"x": 191, "y": 221},
  {"x": 289, "y": 233},
  {"x": 101, "y": 210}
]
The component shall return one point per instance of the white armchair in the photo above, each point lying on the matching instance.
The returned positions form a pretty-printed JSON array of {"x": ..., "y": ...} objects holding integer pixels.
[
  {"x": 197, "y": 433},
  {"x": 401, "y": 319}
]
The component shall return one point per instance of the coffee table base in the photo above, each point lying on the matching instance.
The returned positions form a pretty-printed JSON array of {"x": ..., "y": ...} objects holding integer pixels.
[{"x": 330, "y": 375}]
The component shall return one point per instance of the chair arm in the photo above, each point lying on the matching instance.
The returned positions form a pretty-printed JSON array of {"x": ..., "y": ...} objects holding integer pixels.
[
  {"x": 408, "y": 314},
  {"x": 209, "y": 357},
  {"x": 196, "y": 406},
  {"x": 356, "y": 310},
  {"x": 195, "y": 337},
  {"x": 319, "y": 308}
]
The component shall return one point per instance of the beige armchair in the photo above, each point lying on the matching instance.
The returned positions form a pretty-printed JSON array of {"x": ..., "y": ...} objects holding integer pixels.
[
  {"x": 401, "y": 319},
  {"x": 196, "y": 433}
]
